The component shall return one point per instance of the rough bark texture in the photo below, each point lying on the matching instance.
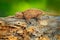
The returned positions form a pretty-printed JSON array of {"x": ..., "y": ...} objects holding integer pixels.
[{"x": 30, "y": 25}]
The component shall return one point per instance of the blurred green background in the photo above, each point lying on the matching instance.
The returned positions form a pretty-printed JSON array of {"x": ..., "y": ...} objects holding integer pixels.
[{"x": 10, "y": 7}]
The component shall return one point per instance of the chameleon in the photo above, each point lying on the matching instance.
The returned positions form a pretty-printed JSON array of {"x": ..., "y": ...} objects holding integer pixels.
[{"x": 29, "y": 14}]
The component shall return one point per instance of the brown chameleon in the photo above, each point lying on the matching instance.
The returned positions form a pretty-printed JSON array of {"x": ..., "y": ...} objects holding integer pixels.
[{"x": 29, "y": 14}]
